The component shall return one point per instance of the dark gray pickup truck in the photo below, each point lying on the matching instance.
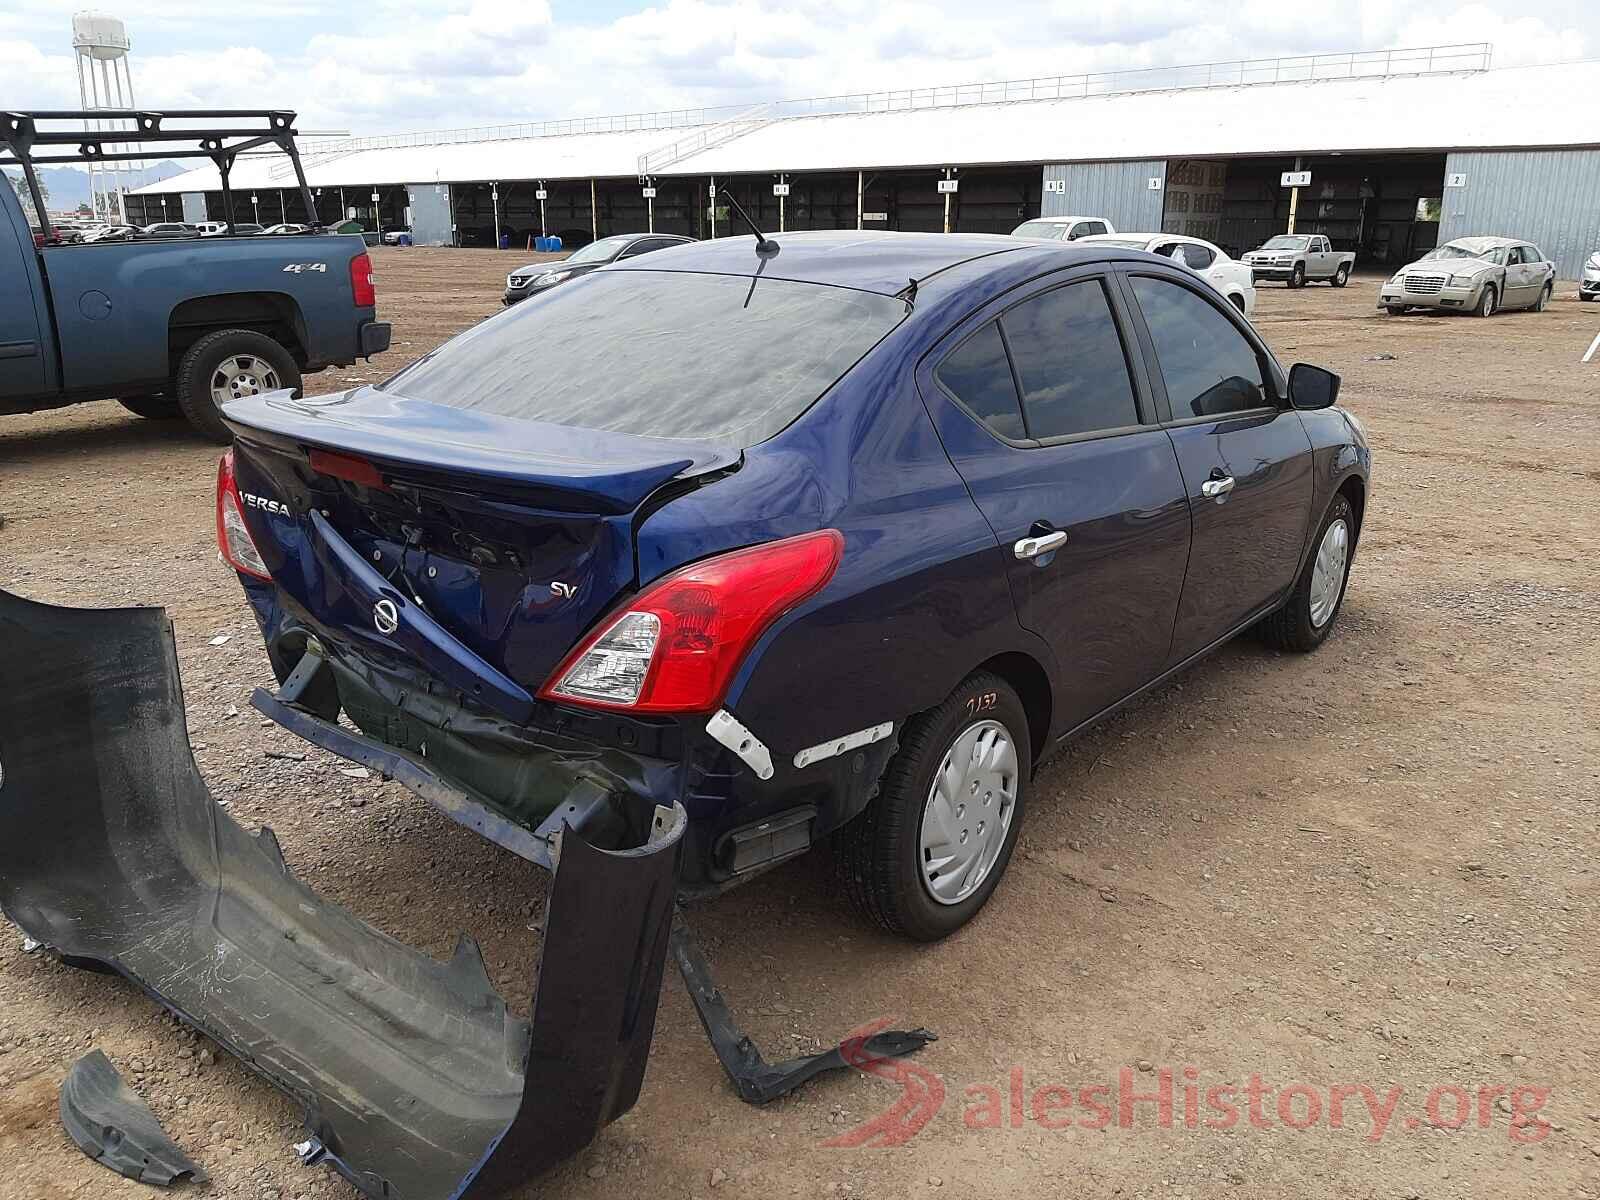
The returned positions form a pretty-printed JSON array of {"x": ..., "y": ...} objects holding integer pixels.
[{"x": 170, "y": 327}]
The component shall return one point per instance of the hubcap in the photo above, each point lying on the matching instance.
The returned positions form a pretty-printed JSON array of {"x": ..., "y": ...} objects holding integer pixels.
[
  {"x": 242, "y": 375},
  {"x": 968, "y": 812},
  {"x": 1327, "y": 576},
  {"x": 1488, "y": 303}
]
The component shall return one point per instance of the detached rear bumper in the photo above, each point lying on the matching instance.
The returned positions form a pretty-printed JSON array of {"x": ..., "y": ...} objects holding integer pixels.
[{"x": 415, "y": 1079}]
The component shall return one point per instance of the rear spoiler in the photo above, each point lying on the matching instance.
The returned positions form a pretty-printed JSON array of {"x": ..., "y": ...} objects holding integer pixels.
[{"x": 414, "y": 1077}]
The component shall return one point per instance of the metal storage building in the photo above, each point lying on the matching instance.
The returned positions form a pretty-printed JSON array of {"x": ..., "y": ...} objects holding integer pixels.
[{"x": 1405, "y": 148}]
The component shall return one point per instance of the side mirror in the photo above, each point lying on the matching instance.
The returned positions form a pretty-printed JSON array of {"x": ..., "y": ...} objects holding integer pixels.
[{"x": 1312, "y": 387}]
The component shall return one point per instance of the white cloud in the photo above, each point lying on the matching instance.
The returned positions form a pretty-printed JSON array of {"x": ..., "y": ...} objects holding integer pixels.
[{"x": 394, "y": 66}]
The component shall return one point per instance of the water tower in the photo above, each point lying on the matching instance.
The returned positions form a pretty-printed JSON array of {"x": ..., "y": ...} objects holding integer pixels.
[{"x": 104, "y": 84}]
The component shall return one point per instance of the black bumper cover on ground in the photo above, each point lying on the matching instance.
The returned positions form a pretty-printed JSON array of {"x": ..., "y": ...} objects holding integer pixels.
[{"x": 415, "y": 1081}]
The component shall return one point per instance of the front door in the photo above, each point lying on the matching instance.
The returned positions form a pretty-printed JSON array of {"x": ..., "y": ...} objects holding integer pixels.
[
  {"x": 1041, "y": 415},
  {"x": 1246, "y": 462},
  {"x": 22, "y": 349}
]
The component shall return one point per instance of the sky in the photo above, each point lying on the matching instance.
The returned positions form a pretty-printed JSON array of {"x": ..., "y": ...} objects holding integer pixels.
[{"x": 385, "y": 67}]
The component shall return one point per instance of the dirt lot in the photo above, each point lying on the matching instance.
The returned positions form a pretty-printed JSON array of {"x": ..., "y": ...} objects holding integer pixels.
[{"x": 1372, "y": 867}]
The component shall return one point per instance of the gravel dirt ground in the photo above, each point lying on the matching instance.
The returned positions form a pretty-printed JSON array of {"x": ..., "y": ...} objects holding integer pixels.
[{"x": 1372, "y": 867}]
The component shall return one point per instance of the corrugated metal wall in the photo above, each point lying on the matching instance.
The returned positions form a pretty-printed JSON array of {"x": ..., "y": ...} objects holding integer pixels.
[
  {"x": 1118, "y": 191},
  {"x": 1550, "y": 197},
  {"x": 430, "y": 214}
]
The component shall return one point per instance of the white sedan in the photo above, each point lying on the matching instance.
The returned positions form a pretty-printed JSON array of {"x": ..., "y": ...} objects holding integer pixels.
[{"x": 1228, "y": 276}]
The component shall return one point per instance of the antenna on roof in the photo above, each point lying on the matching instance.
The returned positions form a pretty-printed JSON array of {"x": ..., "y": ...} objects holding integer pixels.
[{"x": 764, "y": 244}]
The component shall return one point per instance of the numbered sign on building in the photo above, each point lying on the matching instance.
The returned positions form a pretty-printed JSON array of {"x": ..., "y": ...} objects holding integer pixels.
[
  {"x": 1455, "y": 181},
  {"x": 1154, "y": 183},
  {"x": 1056, "y": 186},
  {"x": 1297, "y": 179},
  {"x": 649, "y": 193},
  {"x": 780, "y": 189},
  {"x": 948, "y": 185},
  {"x": 541, "y": 194},
  {"x": 866, "y": 216}
]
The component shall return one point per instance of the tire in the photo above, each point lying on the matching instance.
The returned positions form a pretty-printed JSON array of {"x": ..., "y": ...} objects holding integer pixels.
[
  {"x": 1588, "y": 299},
  {"x": 1395, "y": 310},
  {"x": 1340, "y": 277},
  {"x": 152, "y": 408},
  {"x": 1487, "y": 299},
  {"x": 1238, "y": 302},
  {"x": 1543, "y": 302},
  {"x": 1297, "y": 277},
  {"x": 1296, "y": 626},
  {"x": 880, "y": 855},
  {"x": 262, "y": 363}
]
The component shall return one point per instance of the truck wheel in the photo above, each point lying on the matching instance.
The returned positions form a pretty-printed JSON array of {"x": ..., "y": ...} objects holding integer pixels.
[
  {"x": 1297, "y": 277},
  {"x": 1307, "y": 615},
  {"x": 1486, "y": 302},
  {"x": 225, "y": 365},
  {"x": 931, "y": 847},
  {"x": 152, "y": 408},
  {"x": 1340, "y": 277}
]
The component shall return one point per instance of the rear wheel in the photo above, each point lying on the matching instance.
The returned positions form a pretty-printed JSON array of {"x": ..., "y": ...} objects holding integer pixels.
[
  {"x": 230, "y": 364},
  {"x": 1297, "y": 278},
  {"x": 152, "y": 408},
  {"x": 1486, "y": 302},
  {"x": 1341, "y": 277},
  {"x": 930, "y": 849},
  {"x": 1304, "y": 621}
]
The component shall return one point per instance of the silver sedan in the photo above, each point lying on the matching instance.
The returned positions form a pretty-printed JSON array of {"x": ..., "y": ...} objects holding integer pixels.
[{"x": 1480, "y": 275}]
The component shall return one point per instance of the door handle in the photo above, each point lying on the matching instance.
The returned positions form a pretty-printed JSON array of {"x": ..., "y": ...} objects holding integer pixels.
[
  {"x": 1032, "y": 547},
  {"x": 1217, "y": 487},
  {"x": 18, "y": 349}
]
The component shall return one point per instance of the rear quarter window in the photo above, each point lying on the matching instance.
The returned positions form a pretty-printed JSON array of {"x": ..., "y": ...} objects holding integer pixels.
[{"x": 665, "y": 354}]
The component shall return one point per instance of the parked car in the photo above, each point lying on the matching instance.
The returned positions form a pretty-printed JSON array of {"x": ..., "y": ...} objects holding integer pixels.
[
  {"x": 112, "y": 233},
  {"x": 286, "y": 228},
  {"x": 237, "y": 229},
  {"x": 168, "y": 229},
  {"x": 391, "y": 237},
  {"x": 1589, "y": 285},
  {"x": 843, "y": 547},
  {"x": 525, "y": 281},
  {"x": 1063, "y": 229},
  {"x": 173, "y": 330},
  {"x": 1301, "y": 258},
  {"x": 1205, "y": 259},
  {"x": 1480, "y": 275}
]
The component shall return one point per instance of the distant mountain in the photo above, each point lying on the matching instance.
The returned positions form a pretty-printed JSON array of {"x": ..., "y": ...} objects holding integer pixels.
[{"x": 69, "y": 186}]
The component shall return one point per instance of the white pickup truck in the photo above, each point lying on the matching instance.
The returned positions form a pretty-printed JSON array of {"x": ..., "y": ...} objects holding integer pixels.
[{"x": 1299, "y": 259}]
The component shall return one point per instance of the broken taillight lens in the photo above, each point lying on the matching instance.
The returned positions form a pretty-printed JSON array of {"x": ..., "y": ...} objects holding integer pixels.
[
  {"x": 676, "y": 646},
  {"x": 237, "y": 547}
]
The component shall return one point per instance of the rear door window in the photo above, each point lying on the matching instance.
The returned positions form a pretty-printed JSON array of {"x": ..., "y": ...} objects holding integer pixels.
[
  {"x": 1208, "y": 366},
  {"x": 978, "y": 374},
  {"x": 1070, "y": 362},
  {"x": 1198, "y": 258},
  {"x": 719, "y": 358}
]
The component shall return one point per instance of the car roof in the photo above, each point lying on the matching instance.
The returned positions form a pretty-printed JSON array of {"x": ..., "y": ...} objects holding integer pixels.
[
  {"x": 1059, "y": 220},
  {"x": 1484, "y": 243},
  {"x": 869, "y": 260}
]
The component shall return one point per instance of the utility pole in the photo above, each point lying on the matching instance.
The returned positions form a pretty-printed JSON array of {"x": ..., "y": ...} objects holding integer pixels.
[
  {"x": 861, "y": 195},
  {"x": 594, "y": 212},
  {"x": 494, "y": 198},
  {"x": 711, "y": 194},
  {"x": 1294, "y": 197}
]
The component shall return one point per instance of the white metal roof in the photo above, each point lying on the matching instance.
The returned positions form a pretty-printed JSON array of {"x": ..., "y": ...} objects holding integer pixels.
[{"x": 1507, "y": 107}]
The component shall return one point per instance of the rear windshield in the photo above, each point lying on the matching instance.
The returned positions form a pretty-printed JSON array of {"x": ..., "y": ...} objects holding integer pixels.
[
  {"x": 658, "y": 353},
  {"x": 1040, "y": 229}
]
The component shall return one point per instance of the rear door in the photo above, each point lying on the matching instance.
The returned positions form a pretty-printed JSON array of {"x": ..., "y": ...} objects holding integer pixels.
[
  {"x": 1053, "y": 432},
  {"x": 1524, "y": 276},
  {"x": 1246, "y": 462},
  {"x": 22, "y": 346}
]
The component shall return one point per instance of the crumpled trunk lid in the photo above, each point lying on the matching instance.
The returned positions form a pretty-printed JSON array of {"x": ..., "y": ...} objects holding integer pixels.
[{"x": 492, "y": 544}]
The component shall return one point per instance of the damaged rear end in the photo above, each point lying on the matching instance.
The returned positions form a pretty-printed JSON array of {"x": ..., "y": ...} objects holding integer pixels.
[{"x": 416, "y": 1080}]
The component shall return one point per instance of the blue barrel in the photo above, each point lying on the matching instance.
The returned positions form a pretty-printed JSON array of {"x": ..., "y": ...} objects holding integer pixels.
[{"x": 555, "y": 243}]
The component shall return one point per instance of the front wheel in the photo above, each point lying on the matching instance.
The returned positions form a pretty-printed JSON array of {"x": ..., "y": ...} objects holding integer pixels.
[
  {"x": 1395, "y": 310},
  {"x": 1486, "y": 302},
  {"x": 930, "y": 849},
  {"x": 1543, "y": 302},
  {"x": 1297, "y": 278},
  {"x": 229, "y": 364},
  {"x": 1340, "y": 277},
  {"x": 1304, "y": 621}
]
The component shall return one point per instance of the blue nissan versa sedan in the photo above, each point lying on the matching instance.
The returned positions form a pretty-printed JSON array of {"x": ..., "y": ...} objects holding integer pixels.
[{"x": 844, "y": 535}]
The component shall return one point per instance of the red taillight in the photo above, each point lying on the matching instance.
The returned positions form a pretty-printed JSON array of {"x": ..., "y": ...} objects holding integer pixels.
[
  {"x": 346, "y": 466},
  {"x": 237, "y": 547},
  {"x": 362, "y": 287},
  {"x": 675, "y": 647}
]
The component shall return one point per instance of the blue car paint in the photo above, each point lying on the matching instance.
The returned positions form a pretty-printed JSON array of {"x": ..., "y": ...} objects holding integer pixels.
[
  {"x": 928, "y": 502},
  {"x": 99, "y": 316}
]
